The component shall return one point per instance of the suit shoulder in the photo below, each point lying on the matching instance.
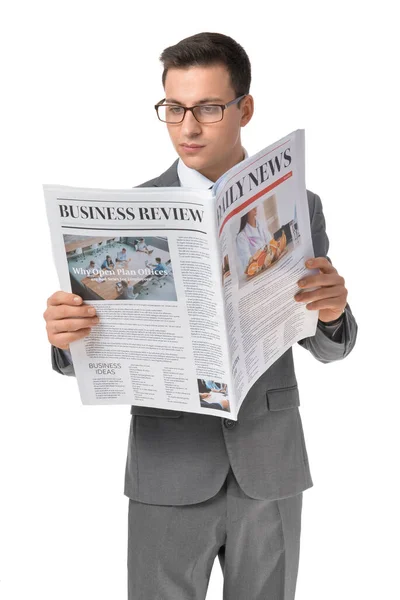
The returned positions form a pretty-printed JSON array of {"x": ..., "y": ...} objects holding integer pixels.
[
  {"x": 167, "y": 179},
  {"x": 150, "y": 183},
  {"x": 311, "y": 197},
  {"x": 314, "y": 202}
]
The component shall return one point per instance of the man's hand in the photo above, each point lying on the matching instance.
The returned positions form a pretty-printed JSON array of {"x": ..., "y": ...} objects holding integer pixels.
[
  {"x": 67, "y": 319},
  {"x": 331, "y": 297}
]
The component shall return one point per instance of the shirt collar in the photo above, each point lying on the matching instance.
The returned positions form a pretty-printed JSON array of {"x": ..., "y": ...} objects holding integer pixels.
[{"x": 192, "y": 178}]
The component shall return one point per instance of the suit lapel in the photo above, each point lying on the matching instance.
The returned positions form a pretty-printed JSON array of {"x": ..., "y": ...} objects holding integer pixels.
[{"x": 170, "y": 177}]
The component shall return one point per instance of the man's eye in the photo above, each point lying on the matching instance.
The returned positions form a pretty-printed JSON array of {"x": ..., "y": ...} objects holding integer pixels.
[
  {"x": 209, "y": 110},
  {"x": 175, "y": 110}
]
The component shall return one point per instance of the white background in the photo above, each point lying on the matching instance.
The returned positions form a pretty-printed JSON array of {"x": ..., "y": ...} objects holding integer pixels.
[{"x": 79, "y": 81}]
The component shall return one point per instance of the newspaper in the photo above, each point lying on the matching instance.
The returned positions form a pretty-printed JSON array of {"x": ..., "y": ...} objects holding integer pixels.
[{"x": 194, "y": 288}]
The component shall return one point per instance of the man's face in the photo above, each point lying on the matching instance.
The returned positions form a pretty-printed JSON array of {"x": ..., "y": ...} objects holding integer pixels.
[{"x": 220, "y": 142}]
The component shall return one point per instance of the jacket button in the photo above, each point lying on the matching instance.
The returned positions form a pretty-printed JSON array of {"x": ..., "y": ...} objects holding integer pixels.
[{"x": 229, "y": 424}]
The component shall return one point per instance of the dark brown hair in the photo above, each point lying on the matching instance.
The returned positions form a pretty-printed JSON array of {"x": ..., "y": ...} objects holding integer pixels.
[
  {"x": 210, "y": 49},
  {"x": 243, "y": 222}
]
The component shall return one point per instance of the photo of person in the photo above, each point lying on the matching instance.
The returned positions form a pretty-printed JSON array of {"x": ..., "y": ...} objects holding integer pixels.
[
  {"x": 252, "y": 236},
  {"x": 122, "y": 256},
  {"x": 158, "y": 267},
  {"x": 107, "y": 263},
  {"x": 111, "y": 268},
  {"x": 141, "y": 246},
  {"x": 213, "y": 394},
  {"x": 261, "y": 241},
  {"x": 92, "y": 269}
]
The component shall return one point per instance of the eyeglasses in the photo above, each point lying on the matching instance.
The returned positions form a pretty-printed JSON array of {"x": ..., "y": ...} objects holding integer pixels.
[{"x": 203, "y": 113}]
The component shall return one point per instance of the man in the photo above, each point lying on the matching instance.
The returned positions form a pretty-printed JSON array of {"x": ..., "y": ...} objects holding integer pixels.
[
  {"x": 122, "y": 256},
  {"x": 92, "y": 270},
  {"x": 202, "y": 486},
  {"x": 143, "y": 247},
  {"x": 159, "y": 268}
]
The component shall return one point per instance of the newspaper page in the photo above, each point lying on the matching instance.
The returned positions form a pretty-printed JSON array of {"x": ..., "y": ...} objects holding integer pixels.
[
  {"x": 265, "y": 238},
  {"x": 147, "y": 259}
]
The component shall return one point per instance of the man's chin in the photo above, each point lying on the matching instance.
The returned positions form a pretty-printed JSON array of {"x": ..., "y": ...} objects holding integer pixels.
[{"x": 193, "y": 162}]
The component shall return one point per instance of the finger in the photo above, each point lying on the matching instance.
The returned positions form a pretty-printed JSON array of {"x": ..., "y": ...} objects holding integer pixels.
[
  {"x": 337, "y": 303},
  {"x": 321, "y": 263},
  {"x": 63, "y": 311},
  {"x": 321, "y": 280},
  {"x": 67, "y": 325},
  {"x": 64, "y": 298},
  {"x": 63, "y": 340},
  {"x": 321, "y": 293}
]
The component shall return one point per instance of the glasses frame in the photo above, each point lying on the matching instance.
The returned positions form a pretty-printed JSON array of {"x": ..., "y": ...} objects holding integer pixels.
[{"x": 191, "y": 108}]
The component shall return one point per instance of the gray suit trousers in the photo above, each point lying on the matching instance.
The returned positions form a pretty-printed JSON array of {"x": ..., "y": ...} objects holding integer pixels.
[{"x": 171, "y": 549}]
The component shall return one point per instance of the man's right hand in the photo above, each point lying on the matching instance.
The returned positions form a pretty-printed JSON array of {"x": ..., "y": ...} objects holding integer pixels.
[{"x": 68, "y": 319}]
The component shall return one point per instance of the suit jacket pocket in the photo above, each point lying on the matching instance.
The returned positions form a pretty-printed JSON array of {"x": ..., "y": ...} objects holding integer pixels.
[
  {"x": 281, "y": 398},
  {"x": 147, "y": 411}
]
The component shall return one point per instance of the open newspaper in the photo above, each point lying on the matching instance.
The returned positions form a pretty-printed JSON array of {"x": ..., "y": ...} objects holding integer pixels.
[{"x": 194, "y": 288}]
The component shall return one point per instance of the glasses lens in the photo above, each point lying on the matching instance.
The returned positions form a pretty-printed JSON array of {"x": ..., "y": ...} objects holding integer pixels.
[
  {"x": 170, "y": 113},
  {"x": 208, "y": 114}
]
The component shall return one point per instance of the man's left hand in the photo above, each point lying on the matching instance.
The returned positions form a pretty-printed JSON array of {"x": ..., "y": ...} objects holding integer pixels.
[{"x": 331, "y": 297}]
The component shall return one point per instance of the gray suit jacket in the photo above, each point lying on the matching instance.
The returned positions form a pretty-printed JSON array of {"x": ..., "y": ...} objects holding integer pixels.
[{"x": 176, "y": 457}]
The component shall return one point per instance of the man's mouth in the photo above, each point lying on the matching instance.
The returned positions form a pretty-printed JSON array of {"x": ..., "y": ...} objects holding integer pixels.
[{"x": 191, "y": 148}]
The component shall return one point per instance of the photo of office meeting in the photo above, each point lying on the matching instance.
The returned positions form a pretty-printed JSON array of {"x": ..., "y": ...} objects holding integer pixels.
[
  {"x": 213, "y": 394},
  {"x": 120, "y": 268},
  {"x": 260, "y": 239}
]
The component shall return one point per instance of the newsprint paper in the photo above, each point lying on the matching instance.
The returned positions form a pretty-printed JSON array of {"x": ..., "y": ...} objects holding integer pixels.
[{"x": 194, "y": 288}]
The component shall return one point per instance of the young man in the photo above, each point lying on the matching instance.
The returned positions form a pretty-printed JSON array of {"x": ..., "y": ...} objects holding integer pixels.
[
  {"x": 158, "y": 268},
  {"x": 201, "y": 486},
  {"x": 143, "y": 247},
  {"x": 92, "y": 270},
  {"x": 122, "y": 256}
]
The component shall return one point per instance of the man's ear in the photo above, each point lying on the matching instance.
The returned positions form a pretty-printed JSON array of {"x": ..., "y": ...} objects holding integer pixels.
[{"x": 247, "y": 110}]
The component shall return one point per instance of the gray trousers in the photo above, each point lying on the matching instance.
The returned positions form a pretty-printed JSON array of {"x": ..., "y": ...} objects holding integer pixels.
[{"x": 171, "y": 549}]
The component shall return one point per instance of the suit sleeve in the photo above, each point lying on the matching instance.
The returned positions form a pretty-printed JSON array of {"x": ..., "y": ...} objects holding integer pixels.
[
  {"x": 332, "y": 342},
  {"x": 61, "y": 361}
]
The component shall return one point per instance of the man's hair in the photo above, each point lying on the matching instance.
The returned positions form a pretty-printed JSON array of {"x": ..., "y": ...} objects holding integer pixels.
[{"x": 205, "y": 49}]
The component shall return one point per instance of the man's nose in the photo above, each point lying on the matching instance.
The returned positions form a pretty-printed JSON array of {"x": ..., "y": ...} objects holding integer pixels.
[{"x": 189, "y": 125}]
